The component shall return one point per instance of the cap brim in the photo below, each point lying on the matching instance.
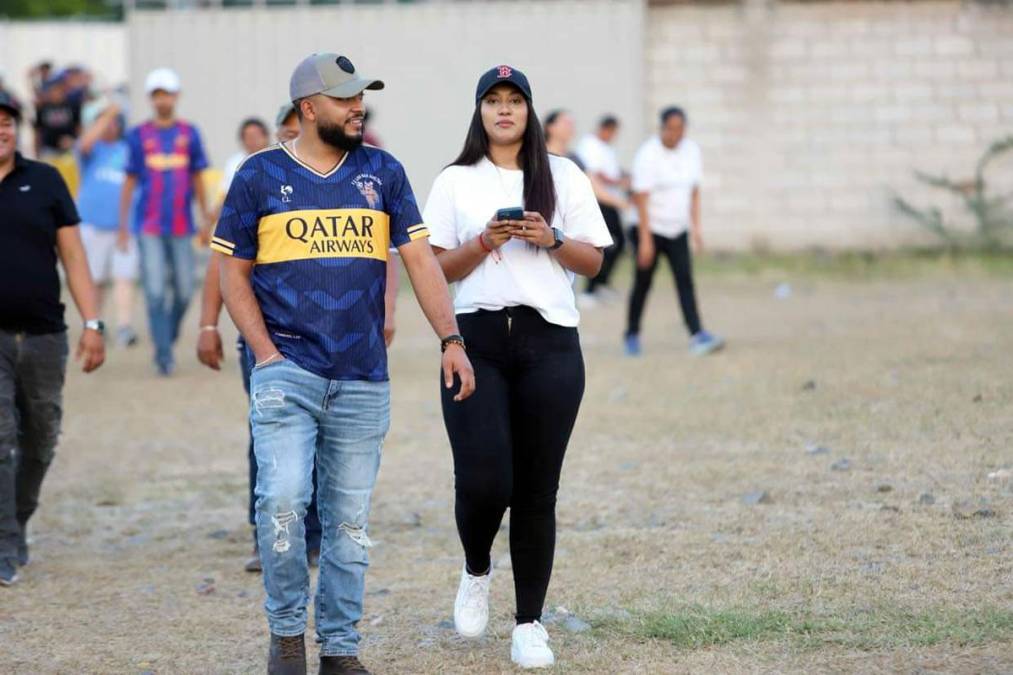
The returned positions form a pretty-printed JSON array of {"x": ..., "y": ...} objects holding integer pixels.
[
  {"x": 353, "y": 88},
  {"x": 14, "y": 112},
  {"x": 496, "y": 84}
]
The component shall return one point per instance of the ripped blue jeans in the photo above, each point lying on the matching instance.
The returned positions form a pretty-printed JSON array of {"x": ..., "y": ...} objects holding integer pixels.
[{"x": 299, "y": 418}]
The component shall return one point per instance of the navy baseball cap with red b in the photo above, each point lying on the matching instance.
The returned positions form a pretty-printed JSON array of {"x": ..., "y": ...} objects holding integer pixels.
[{"x": 500, "y": 75}]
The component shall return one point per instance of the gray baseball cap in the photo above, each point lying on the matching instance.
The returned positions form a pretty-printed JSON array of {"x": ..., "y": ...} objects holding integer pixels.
[{"x": 328, "y": 74}]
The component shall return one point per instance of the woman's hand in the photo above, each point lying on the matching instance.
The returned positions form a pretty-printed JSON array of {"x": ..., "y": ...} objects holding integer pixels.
[
  {"x": 533, "y": 230},
  {"x": 496, "y": 233}
]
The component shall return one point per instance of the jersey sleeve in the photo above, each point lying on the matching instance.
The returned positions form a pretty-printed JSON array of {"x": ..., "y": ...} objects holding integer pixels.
[
  {"x": 236, "y": 231},
  {"x": 405, "y": 220},
  {"x": 582, "y": 218},
  {"x": 135, "y": 154},
  {"x": 439, "y": 214},
  {"x": 198, "y": 159}
]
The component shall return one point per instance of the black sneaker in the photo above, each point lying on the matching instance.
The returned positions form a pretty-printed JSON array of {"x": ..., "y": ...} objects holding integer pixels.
[
  {"x": 287, "y": 655},
  {"x": 342, "y": 665},
  {"x": 8, "y": 572}
]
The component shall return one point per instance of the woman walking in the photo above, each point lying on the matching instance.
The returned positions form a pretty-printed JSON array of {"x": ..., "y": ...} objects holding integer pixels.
[{"x": 511, "y": 225}]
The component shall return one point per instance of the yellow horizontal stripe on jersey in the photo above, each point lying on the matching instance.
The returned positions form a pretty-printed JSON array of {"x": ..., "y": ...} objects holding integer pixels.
[
  {"x": 215, "y": 246},
  {"x": 323, "y": 233},
  {"x": 166, "y": 161},
  {"x": 222, "y": 242},
  {"x": 420, "y": 233}
]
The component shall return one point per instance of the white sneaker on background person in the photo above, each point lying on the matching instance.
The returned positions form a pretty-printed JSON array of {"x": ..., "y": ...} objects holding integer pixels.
[
  {"x": 530, "y": 646},
  {"x": 471, "y": 608}
]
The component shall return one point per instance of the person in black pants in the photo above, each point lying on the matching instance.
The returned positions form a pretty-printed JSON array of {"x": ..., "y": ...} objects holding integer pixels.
[
  {"x": 667, "y": 172},
  {"x": 598, "y": 158},
  {"x": 518, "y": 319},
  {"x": 39, "y": 227}
]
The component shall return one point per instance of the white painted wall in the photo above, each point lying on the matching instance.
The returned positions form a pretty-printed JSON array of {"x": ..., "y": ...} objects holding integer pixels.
[{"x": 585, "y": 56}]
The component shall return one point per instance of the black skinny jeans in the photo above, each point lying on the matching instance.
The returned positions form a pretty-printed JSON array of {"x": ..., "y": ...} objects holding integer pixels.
[
  {"x": 509, "y": 438},
  {"x": 677, "y": 252},
  {"x": 615, "y": 225}
]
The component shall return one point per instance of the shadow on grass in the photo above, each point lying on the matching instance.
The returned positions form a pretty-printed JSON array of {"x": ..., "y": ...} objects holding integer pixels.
[{"x": 695, "y": 627}]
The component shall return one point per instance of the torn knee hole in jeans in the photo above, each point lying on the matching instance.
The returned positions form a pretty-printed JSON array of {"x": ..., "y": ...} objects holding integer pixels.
[
  {"x": 268, "y": 398},
  {"x": 356, "y": 534},
  {"x": 281, "y": 523}
]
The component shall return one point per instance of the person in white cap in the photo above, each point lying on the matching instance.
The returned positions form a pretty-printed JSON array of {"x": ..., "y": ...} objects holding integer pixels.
[
  {"x": 305, "y": 235},
  {"x": 166, "y": 158}
]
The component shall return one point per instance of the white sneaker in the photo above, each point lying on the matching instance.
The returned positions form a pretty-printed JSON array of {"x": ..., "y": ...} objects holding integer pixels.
[
  {"x": 529, "y": 648},
  {"x": 471, "y": 609}
]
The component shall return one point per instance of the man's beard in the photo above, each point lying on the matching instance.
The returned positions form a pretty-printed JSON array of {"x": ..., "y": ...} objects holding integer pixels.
[{"x": 335, "y": 136}]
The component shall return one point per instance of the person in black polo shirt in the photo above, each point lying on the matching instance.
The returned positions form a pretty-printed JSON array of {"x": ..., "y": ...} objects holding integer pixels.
[{"x": 39, "y": 224}]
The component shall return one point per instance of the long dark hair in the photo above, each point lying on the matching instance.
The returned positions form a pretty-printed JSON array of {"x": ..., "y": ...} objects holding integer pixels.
[{"x": 533, "y": 158}]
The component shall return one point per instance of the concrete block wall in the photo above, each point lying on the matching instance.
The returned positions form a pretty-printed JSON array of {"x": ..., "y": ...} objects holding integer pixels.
[{"x": 810, "y": 116}]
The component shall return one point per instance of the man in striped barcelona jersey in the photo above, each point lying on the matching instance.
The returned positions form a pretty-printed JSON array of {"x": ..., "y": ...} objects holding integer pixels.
[
  {"x": 165, "y": 161},
  {"x": 305, "y": 234}
]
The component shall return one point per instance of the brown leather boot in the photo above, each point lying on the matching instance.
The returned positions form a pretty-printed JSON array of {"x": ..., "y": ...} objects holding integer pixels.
[
  {"x": 287, "y": 656},
  {"x": 342, "y": 665}
]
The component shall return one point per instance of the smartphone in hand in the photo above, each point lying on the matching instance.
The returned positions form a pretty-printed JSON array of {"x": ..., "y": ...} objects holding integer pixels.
[{"x": 511, "y": 213}]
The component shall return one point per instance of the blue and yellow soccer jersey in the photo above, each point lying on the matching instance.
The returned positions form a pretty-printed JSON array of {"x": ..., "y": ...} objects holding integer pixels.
[{"x": 320, "y": 243}]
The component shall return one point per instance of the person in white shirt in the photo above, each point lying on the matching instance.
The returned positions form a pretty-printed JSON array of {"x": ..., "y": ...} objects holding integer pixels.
[
  {"x": 667, "y": 172},
  {"x": 599, "y": 160},
  {"x": 518, "y": 317}
]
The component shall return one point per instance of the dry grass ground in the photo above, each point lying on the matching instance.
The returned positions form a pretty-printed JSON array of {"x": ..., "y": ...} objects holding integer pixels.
[{"x": 907, "y": 376}]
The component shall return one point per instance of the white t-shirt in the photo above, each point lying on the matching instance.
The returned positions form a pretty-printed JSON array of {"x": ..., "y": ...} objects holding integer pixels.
[
  {"x": 670, "y": 177},
  {"x": 600, "y": 158},
  {"x": 229, "y": 172},
  {"x": 465, "y": 198}
]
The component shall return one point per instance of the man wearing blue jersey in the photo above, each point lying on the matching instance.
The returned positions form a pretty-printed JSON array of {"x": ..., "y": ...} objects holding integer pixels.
[{"x": 305, "y": 232}]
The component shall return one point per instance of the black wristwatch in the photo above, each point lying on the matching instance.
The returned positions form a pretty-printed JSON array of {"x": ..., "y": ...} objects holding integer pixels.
[
  {"x": 96, "y": 325},
  {"x": 558, "y": 234},
  {"x": 452, "y": 340}
]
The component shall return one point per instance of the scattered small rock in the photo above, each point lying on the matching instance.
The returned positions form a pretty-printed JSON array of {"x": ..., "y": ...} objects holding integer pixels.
[
  {"x": 377, "y": 621},
  {"x": 816, "y": 449},
  {"x": 977, "y": 398},
  {"x": 446, "y": 624},
  {"x": 206, "y": 587},
  {"x": 890, "y": 507},
  {"x": 782, "y": 291},
  {"x": 810, "y": 385},
  {"x": 219, "y": 534},
  {"x": 926, "y": 499},
  {"x": 379, "y": 592},
  {"x": 756, "y": 497},
  {"x": 873, "y": 567},
  {"x": 107, "y": 501},
  {"x": 628, "y": 466},
  {"x": 966, "y": 510},
  {"x": 243, "y": 594},
  {"x": 414, "y": 520},
  {"x": 573, "y": 624},
  {"x": 884, "y": 487},
  {"x": 1001, "y": 475},
  {"x": 843, "y": 464}
]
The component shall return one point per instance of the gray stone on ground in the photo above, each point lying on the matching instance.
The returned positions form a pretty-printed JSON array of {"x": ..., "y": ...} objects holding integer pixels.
[
  {"x": 884, "y": 487},
  {"x": 816, "y": 449},
  {"x": 218, "y": 534},
  {"x": 756, "y": 497},
  {"x": 446, "y": 624},
  {"x": 843, "y": 464},
  {"x": 926, "y": 499},
  {"x": 810, "y": 385}
]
